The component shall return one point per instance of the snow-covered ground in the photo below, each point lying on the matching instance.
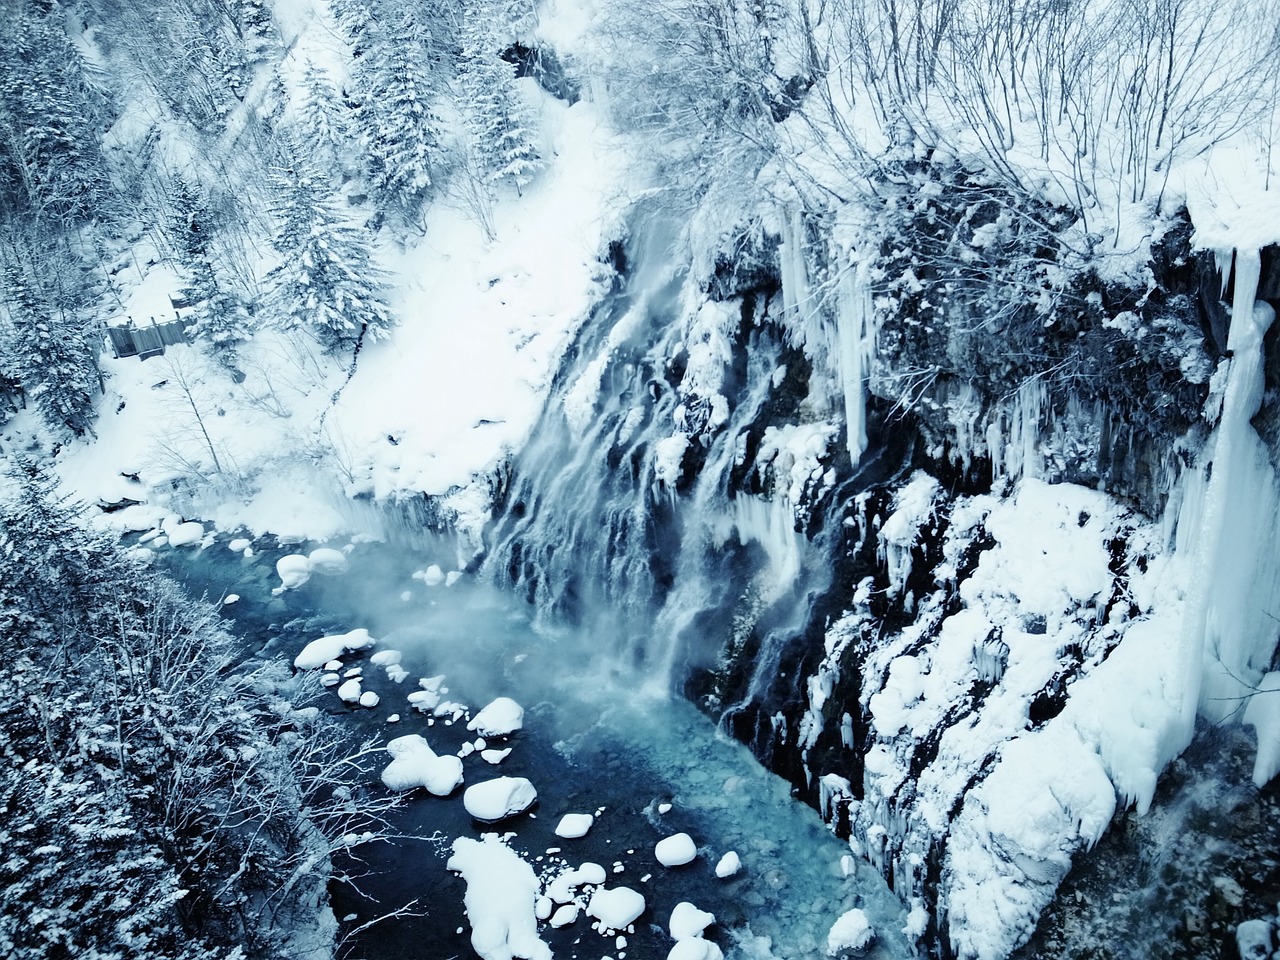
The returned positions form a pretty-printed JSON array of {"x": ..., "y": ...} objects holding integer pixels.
[{"x": 435, "y": 409}]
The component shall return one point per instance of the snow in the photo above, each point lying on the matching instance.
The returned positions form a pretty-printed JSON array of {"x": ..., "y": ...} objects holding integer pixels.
[
  {"x": 561, "y": 888},
  {"x": 616, "y": 908},
  {"x": 433, "y": 576},
  {"x": 851, "y": 932},
  {"x": 328, "y": 561},
  {"x": 294, "y": 570},
  {"x": 695, "y": 948},
  {"x": 1263, "y": 714},
  {"x": 415, "y": 764},
  {"x": 688, "y": 921},
  {"x": 499, "y": 798},
  {"x": 728, "y": 865},
  {"x": 350, "y": 692},
  {"x": 525, "y": 292},
  {"x": 676, "y": 850},
  {"x": 182, "y": 534},
  {"x": 501, "y": 899},
  {"x": 502, "y": 717},
  {"x": 369, "y": 699},
  {"x": 574, "y": 825},
  {"x": 318, "y": 653}
]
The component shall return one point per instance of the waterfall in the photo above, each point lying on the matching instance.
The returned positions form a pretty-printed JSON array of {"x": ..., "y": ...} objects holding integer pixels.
[{"x": 667, "y": 482}]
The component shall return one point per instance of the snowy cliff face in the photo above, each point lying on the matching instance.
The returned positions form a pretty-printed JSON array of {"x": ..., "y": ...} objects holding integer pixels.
[{"x": 968, "y": 616}]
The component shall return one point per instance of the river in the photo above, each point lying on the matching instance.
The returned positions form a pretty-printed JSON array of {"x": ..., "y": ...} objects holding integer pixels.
[{"x": 590, "y": 744}]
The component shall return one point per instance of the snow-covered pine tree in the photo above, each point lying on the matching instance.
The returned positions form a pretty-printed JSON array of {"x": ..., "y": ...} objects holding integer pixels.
[
  {"x": 50, "y": 162},
  {"x": 323, "y": 120},
  {"x": 400, "y": 131},
  {"x": 49, "y": 353},
  {"x": 326, "y": 282},
  {"x": 218, "y": 316},
  {"x": 500, "y": 126}
]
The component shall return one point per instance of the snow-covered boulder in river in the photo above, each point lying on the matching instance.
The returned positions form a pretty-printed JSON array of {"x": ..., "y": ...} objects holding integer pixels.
[
  {"x": 318, "y": 653},
  {"x": 415, "y": 764},
  {"x": 500, "y": 718},
  {"x": 499, "y": 798},
  {"x": 501, "y": 899}
]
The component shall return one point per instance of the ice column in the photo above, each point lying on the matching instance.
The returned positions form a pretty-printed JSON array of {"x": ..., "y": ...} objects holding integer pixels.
[{"x": 1233, "y": 574}]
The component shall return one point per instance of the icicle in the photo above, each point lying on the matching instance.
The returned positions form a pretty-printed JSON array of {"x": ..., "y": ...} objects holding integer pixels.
[
  {"x": 1013, "y": 437},
  {"x": 856, "y": 332},
  {"x": 1222, "y": 260},
  {"x": 796, "y": 296}
]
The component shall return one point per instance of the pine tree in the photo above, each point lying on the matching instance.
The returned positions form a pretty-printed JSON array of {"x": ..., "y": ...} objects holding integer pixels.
[
  {"x": 50, "y": 162},
  {"x": 400, "y": 131},
  {"x": 217, "y": 315},
  {"x": 50, "y": 354},
  {"x": 499, "y": 123},
  {"x": 326, "y": 282},
  {"x": 324, "y": 125}
]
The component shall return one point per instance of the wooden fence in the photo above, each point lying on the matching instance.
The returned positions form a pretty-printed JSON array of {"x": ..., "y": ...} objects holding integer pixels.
[{"x": 131, "y": 340}]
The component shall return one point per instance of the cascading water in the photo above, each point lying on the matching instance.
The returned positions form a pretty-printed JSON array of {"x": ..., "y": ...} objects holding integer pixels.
[{"x": 649, "y": 502}]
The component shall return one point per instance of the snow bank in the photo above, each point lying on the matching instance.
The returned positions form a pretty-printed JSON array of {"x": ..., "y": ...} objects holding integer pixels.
[
  {"x": 319, "y": 652},
  {"x": 415, "y": 764},
  {"x": 501, "y": 897},
  {"x": 499, "y": 798}
]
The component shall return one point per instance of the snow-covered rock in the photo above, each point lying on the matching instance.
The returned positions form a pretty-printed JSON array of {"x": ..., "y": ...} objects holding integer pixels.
[
  {"x": 239, "y": 544},
  {"x": 318, "y": 653},
  {"x": 328, "y": 561},
  {"x": 676, "y": 851},
  {"x": 565, "y": 915},
  {"x": 616, "y": 908},
  {"x": 350, "y": 691},
  {"x": 501, "y": 899},
  {"x": 369, "y": 699},
  {"x": 688, "y": 921},
  {"x": 294, "y": 570},
  {"x": 851, "y": 932},
  {"x": 729, "y": 864},
  {"x": 498, "y": 719},
  {"x": 574, "y": 825},
  {"x": 695, "y": 948},
  {"x": 499, "y": 798},
  {"x": 415, "y": 764},
  {"x": 182, "y": 534},
  {"x": 561, "y": 888}
]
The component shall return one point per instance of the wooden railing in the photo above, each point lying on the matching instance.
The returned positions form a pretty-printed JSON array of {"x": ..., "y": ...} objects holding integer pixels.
[{"x": 131, "y": 340}]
